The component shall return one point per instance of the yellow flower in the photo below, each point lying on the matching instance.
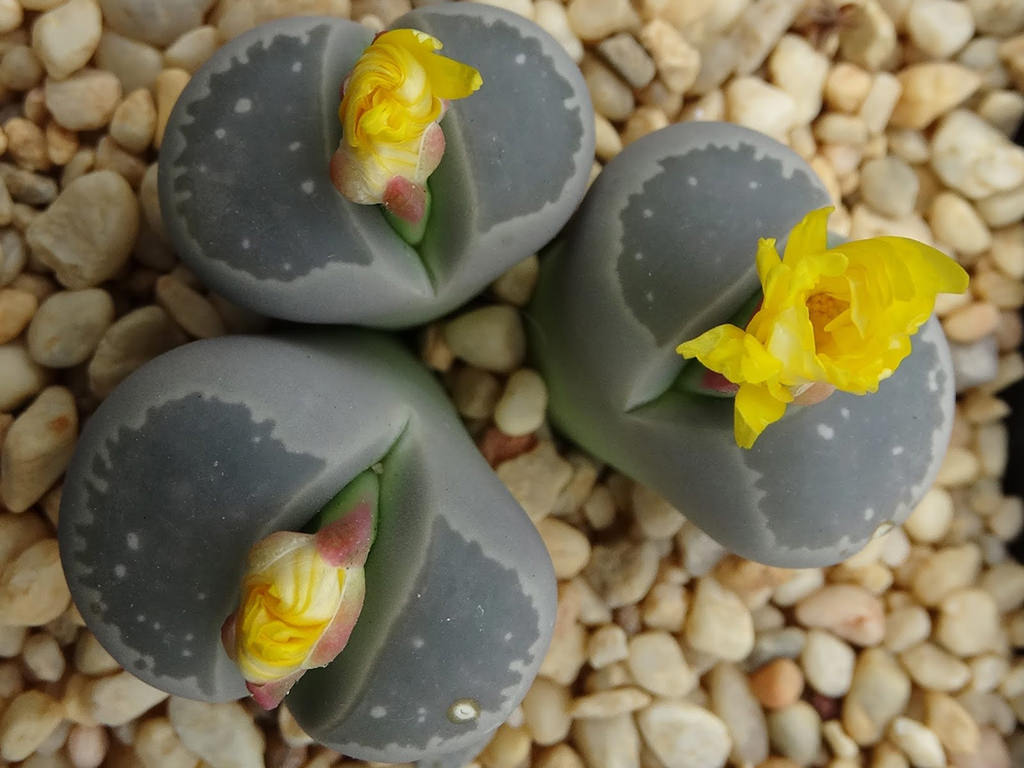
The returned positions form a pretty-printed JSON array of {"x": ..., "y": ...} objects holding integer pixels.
[
  {"x": 391, "y": 104},
  {"x": 301, "y": 596},
  {"x": 841, "y": 317}
]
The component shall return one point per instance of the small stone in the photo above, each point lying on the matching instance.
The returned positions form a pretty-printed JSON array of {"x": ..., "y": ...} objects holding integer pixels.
[
  {"x": 849, "y": 611},
  {"x": 795, "y": 732},
  {"x": 665, "y": 607},
  {"x": 158, "y": 746},
  {"x": 1003, "y": 109},
  {"x": 627, "y": 57},
  {"x": 37, "y": 448},
  {"x": 677, "y": 61},
  {"x": 27, "y": 187},
  {"x": 1005, "y": 583},
  {"x": 91, "y": 658},
  {"x": 867, "y": 36},
  {"x": 997, "y": 17},
  {"x": 909, "y": 145},
  {"x": 536, "y": 478},
  {"x": 233, "y": 17},
  {"x": 719, "y": 623},
  {"x": 491, "y": 338},
  {"x": 934, "y": 669},
  {"x": 612, "y": 98},
  {"x": 11, "y": 15},
  {"x": 546, "y": 711},
  {"x": 607, "y": 645},
  {"x": 598, "y": 19},
  {"x": 955, "y": 223},
  {"x": 61, "y": 144},
  {"x": 684, "y": 735},
  {"x": 192, "y": 49},
  {"x": 800, "y": 70},
  {"x": 1008, "y": 520},
  {"x": 644, "y": 120},
  {"x": 734, "y": 702},
  {"x": 828, "y": 663},
  {"x": 944, "y": 571},
  {"x": 622, "y": 573},
  {"x": 755, "y": 104},
  {"x": 879, "y": 692},
  {"x": 561, "y": 755},
  {"x": 516, "y": 285},
  {"x": 32, "y": 587},
  {"x": 837, "y": 128},
  {"x": 654, "y": 515},
  {"x": 569, "y": 549},
  {"x": 610, "y": 703},
  {"x": 931, "y": 518},
  {"x": 846, "y": 87},
  {"x": 66, "y": 37},
  {"x": 948, "y": 719},
  {"x": 110, "y": 156},
  {"x": 968, "y": 622},
  {"x": 509, "y": 748},
  {"x": 133, "y": 62},
  {"x": 134, "y": 121},
  {"x": 930, "y": 90},
  {"x": 939, "y": 28},
  {"x": 521, "y": 407},
  {"x": 968, "y": 325},
  {"x": 759, "y": 28},
  {"x": 611, "y": 742},
  {"x": 801, "y": 583},
  {"x": 656, "y": 663},
  {"x": 43, "y": 658},
  {"x": 86, "y": 235},
  {"x": 475, "y": 392},
  {"x": 974, "y": 158},
  {"x": 168, "y": 87},
  {"x": 85, "y": 101},
  {"x": 27, "y": 144},
  {"x": 68, "y": 326},
  {"x": 889, "y": 185},
  {"x": 550, "y": 16},
  {"x": 787, "y": 643},
  {"x": 87, "y": 746},
  {"x": 701, "y": 553},
  {"x": 26, "y": 723},
  {"x": 154, "y": 21},
  {"x": 921, "y": 746},
  {"x": 120, "y": 698},
  {"x": 16, "y": 310},
  {"x": 777, "y": 684},
  {"x": 905, "y": 627},
  {"x": 132, "y": 340},
  {"x": 189, "y": 308}
]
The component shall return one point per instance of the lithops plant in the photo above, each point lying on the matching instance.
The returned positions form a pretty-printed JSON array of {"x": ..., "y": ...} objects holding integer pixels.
[
  {"x": 214, "y": 446},
  {"x": 664, "y": 248},
  {"x": 245, "y": 171}
]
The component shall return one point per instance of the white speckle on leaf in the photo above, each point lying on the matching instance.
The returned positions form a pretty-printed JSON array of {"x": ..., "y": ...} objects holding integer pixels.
[
  {"x": 648, "y": 213},
  {"x": 243, "y": 105},
  {"x": 132, "y": 540},
  {"x": 120, "y": 570},
  {"x": 220, "y": 133},
  {"x": 417, "y": 642},
  {"x": 638, "y": 256},
  {"x": 463, "y": 710},
  {"x": 691, "y": 180},
  {"x": 933, "y": 380},
  {"x": 140, "y": 618},
  {"x": 297, "y": 66},
  {"x": 294, "y": 146},
  {"x": 826, "y": 431},
  {"x": 308, "y": 186},
  {"x": 897, "y": 450},
  {"x": 378, "y": 712},
  {"x": 245, "y": 244},
  {"x": 754, "y": 185},
  {"x": 520, "y": 58},
  {"x": 869, "y": 513},
  {"x": 844, "y": 412},
  {"x": 649, "y": 296}
]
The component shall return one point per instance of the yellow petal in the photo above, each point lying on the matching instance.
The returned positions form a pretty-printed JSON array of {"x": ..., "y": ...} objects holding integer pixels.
[
  {"x": 810, "y": 235},
  {"x": 767, "y": 258},
  {"x": 755, "y": 409}
]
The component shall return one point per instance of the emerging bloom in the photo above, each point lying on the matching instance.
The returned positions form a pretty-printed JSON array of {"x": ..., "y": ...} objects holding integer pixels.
[
  {"x": 391, "y": 104},
  {"x": 834, "y": 318},
  {"x": 301, "y": 596}
]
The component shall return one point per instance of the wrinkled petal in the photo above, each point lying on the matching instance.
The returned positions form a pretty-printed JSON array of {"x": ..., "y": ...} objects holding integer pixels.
[
  {"x": 755, "y": 410},
  {"x": 810, "y": 235}
]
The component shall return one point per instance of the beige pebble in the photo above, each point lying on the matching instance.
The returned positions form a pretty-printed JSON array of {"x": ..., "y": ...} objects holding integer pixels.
[
  {"x": 475, "y": 392},
  {"x": 44, "y": 658},
  {"x": 677, "y": 61},
  {"x": 758, "y": 30},
  {"x": 878, "y": 692},
  {"x": 655, "y": 516},
  {"x": 930, "y": 90},
  {"x": 999, "y": 290},
  {"x": 846, "y": 87},
  {"x": 536, "y": 478},
  {"x": 32, "y": 588},
  {"x": 972, "y": 322},
  {"x": 491, "y": 338},
  {"x": 827, "y": 663},
  {"x": 999, "y": 17},
  {"x": 611, "y": 742},
  {"x": 37, "y": 448},
  {"x": 550, "y": 15},
  {"x": 700, "y": 552},
  {"x": 1003, "y": 109},
  {"x": 607, "y": 141},
  {"x": 111, "y": 156},
  {"x": 85, "y": 101},
  {"x": 87, "y": 746},
  {"x": 905, "y": 627},
  {"x": 664, "y": 607},
  {"x": 91, "y": 658},
  {"x": 61, "y": 144},
  {"x": 569, "y": 548},
  {"x": 732, "y": 700},
  {"x": 26, "y": 723},
  {"x": 10, "y": 15},
  {"x": 710, "y": 106},
  {"x": 801, "y": 583},
  {"x": 520, "y": 409},
  {"x": 192, "y": 49},
  {"x": 753, "y": 103},
  {"x": 27, "y": 144},
  {"x": 29, "y": 188},
  {"x": 120, "y": 698},
  {"x": 968, "y": 622},
  {"x": 607, "y": 645},
  {"x": 598, "y": 19},
  {"x": 800, "y": 70},
  {"x": 12, "y": 640},
  {"x": 189, "y": 308},
  {"x": 17, "y": 533},
  {"x": 68, "y": 326},
  {"x": 612, "y": 98},
  {"x": 777, "y": 684},
  {"x": 132, "y": 340},
  {"x": 909, "y": 145},
  {"x": 561, "y": 755},
  {"x": 935, "y": 669},
  {"x": 515, "y": 286},
  {"x": 918, "y": 743},
  {"x": 939, "y": 28},
  {"x": 684, "y": 735},
  {"x": 1008, "y": 520},
  {"x": 158, "y": 746},
  {"x": 609, "y": 703},
  {"x": 627, "y": 57},
  {"x": 944, "y": 571},
  {"x": 222, "y": 734},
  {"x": 991, "y": 441},
  {"x": 657, "y": 664},
  {"x": 948, "y": 719},
  {"x": 1005, "y": 582},
  {"x": 867, "y": 36},
  {"x": 599, "y": 508},
  {"x": 719, "y": 623},
  {"x": 644, "y": 120},
  {"x": 168, "y": 87},
  {"x": 622, "y": 573},
  {"x": 795, "y": 732},
  {"x": 546, "y": 711},
  {"x": 974, "y": 158},
  {"x": 1003, "y": 208},
  {"x": 66, "y": 37},
  {"x": 931, "y": 518},
  {"x": 16, "y": 310},
  {"x": 133, "y": 62},
  {"x": 987, "y": 672},
  {"x": 890, "y": 186},
  {"x": 83, "y": 246},
  {"x": 956, "y": 223},
  {"x": 848, "y": 611}
]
